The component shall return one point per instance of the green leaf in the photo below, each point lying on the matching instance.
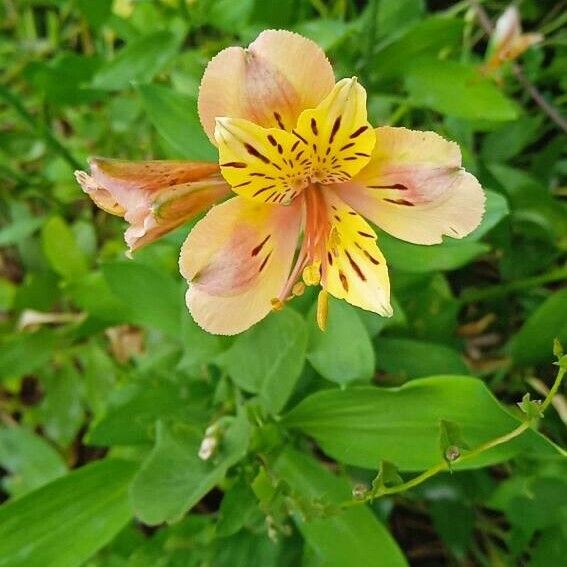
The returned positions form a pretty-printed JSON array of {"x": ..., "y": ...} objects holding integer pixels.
[
  {"x": 343, "y": 352},
  {"x": 496, "y": 208},
  {"x": 449, "y": 255},
  {"x": 26, "y": 352},
  {"x": 65, "y": 522},
  {"x": 19, "y": 230},
  {"x": 456, "y": 89},
  {"x": 534, "y": 341},
  {"x": 387, "y": 476},
  {"x": 237, "y": 507},
  {"x": 268, "y": 359},
  {"x": 414, "y": 359},
  {"x": 173, "y": 478},
  {"x": 152, "y": 297},
  {"x": 30, "y": 460},
  {"x": 429, "y": 37},
  {"x": 61, "y": 249},
  {"x": 361, "y": 426},
  {"x": 175, "y": 118},
  {"x": 140, "y": 61},
  {"x": 352, "y": 537}
]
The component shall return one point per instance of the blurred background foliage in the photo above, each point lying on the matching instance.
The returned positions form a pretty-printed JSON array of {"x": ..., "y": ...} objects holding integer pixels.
[{"x": 107, "y": 386}]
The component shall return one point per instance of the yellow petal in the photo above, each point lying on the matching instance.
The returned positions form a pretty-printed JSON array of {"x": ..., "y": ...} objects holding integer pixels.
[
  {"x": 279, "y": 75},
  {"x": 260, "y": 163},
  {"x": 415, "y": 189},
  {"x": 338, "y": 133},
  {"x": 353, "y": 267},
  {"x": 236, "y": 261}
]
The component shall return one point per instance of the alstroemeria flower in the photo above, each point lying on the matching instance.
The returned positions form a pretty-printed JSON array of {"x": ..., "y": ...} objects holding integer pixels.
[
  {"x": 153, "y": 196},
  {"x": 508, "y": 41},
  {"x": 306, "y": 166}
]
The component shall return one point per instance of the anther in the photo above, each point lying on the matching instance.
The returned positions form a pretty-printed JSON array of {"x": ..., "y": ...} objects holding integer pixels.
[
  {"x": 322, "y": 309},
  {"x": 277, "y": 304}
]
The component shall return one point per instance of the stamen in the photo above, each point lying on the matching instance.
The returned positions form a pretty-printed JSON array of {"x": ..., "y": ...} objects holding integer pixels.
[
  {"x": 277, "y": 304},
  {"x": 312, "y": 274},
  {"x": 322, "y": 309}
]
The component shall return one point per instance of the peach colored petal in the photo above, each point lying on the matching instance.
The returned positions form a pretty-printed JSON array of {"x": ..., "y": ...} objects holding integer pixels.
[
  {"x": 236, "y": 260},
  {"x": 280, "y": 74},
  {"x": 415, "y": 188},
  {"x": 154, "y": 197}
]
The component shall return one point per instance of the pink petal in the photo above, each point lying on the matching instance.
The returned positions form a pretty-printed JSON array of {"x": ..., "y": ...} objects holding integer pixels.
[
  {"x": 279, "y": 75},
  {"x": 415, "y": 188},
  {"x": 153, "y": 196},
  {"x": 236, "y": 260}
]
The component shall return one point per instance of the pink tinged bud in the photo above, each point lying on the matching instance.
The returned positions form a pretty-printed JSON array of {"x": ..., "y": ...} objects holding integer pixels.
[
  {"x": 508, "y": 42},
  {"x": 154, "y": 197},
  {"x": 208, "y": 448}
]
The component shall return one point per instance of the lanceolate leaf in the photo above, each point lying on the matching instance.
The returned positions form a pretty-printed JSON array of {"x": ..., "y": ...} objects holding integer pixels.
[
  {"x": 63, "y": 523},
  {"x": 362, "y": 426}
]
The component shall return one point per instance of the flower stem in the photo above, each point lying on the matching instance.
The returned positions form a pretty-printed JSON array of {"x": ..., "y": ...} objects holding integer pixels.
[{"x": 445, "y": 466}]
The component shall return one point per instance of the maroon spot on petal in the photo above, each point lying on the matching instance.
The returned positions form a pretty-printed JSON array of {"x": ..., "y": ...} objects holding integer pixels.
[
  {"x": 365, "y": 234},
  {"x": 256, "y": 250},
  {"x": 362, "y": 154},
  {"x": 262, "y": 190},
  {"x": 347, "y": 146},
  {"x": 330, "y": 258},
  {"x": 265, "y": 261},
  {"x": 397, "y": 186},
  {"x": 254, "y": 152},
  {"x": 314, "y": 128},
  {"x": 371, "y": 258},
  {"x": 400, "y": 202},
  {"x": 295, "y": 133},
  {"x": 236, "y": 164},
  {"x": 344, "y": 280},
  {"x": 335, "y": 129},
  {"x": 243, "y": 184},
  {"x": 278, "y": 118},
  {"x": 295, "y": 144},
  {"x": 272, "y": 140},
  {"x": 358, "y": 132},
  {"x": 355, "y": 266}
]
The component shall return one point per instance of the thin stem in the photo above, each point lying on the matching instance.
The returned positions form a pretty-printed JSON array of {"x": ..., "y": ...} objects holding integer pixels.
[
  {"x": 445, "y": 466},
  {"x": 474, "y": 295}
]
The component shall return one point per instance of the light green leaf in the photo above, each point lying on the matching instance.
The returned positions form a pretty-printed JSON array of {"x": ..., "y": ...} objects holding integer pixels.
[
  {"x": 456, "y": 89},
  {"x": 61, "y": 249},
  {"x": 19, "y": 230},
  {"x": 30, "y": 460},
  {"x": 175, "y": 118},
  {"x": 362, "y": 426},
  {"x": 140, "y": 61},
  {"x": 343, "y": 353},
  {"x": 268, "y": 359},
  {"x": 173, "y": 478},
  {"x": 353, "y": 537},
  {"x": 65, "y": 522}
]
